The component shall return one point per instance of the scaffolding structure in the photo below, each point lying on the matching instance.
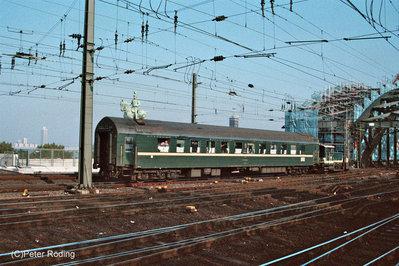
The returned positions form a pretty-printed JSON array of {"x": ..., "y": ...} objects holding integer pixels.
[
  {"x": 333, "y": 117},
  {"x": 302, "y": 121}
]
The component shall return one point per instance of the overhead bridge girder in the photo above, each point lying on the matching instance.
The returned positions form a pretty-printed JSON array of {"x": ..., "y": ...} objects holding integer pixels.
[
  {"x": 378, "y": 118},
  {"x": 378, "y": 124},
  {"x": 373, "y": 140}
]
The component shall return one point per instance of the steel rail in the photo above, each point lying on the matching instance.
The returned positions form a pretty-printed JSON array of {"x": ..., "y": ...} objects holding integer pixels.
[
  {"x": 136, "y": 237},
  {"x": 198, "y": 240},
  {"x": 276, "y": 222},
  {"x": 170, "y": 227},
  {"x": 89, "y": 199},
  {"x": 330, "y": 241},
  {"x": 306, "y": 180},
  {"x": 350, "y": 241},
  {"x": 127, "y": 204},
  {"x": 169, "y": 206},
  {"x": 234, "y": 217},
  {"x": 256, "y": 225},
  {"x": 132, "y": 196},
  {"x": 103, "y": 239},
  {"x": 380, "y": 257},
  {"x": 136, "y": 203}
]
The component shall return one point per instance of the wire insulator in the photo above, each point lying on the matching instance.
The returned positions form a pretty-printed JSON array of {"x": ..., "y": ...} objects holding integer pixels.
[
  {"x": 146, "y": 30},
  {"x": 142, "y": 31},
  {"x": 218, "y": 58},
  {"x": 78, "y": 37},
  {"x": 63, "y": 48},
  {"x": 175, "y": 20},
  {"x": 291, "y": 5},
  {"x": 262, "y": 6},
  {"x": 219, "y": 18},
  {"x": 116, "y": 39},
  {"x": 272, "y": 6}
]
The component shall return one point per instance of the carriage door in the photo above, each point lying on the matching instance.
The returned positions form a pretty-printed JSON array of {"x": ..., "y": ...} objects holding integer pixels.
[
  {"x": 129, "y": 151},
  {"x": 316, "y": 156},
  {"x": 104, "y": 148}
]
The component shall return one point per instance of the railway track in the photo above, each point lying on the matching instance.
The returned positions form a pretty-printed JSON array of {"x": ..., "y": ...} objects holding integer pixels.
[
  {"x": 11, "y": 182},
  {"x": 373, "y": 243},
  {"x": 80, "y": 211},
  {"x": 56, "y": 209},
  {"x": 272, "y": 205},
  {"x": 155, "y": 245}
]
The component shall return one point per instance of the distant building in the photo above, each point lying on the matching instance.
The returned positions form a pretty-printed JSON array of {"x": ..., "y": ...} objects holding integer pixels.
[
  {"x": 44, "y": 135},
  {"x": 234, "y": 121},
  {"x": 24, "y": 144}
]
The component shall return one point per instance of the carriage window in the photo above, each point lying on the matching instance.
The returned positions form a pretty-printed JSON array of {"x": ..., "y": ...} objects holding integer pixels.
[
  {"x": 210, "y": 146},
  {"x": 224, "y": 147},
  {"x": 194, "y": 146},
  {"x": 238, "y": 147},
  {"x": 283, "y": 148},
  {"x": 293, "y": 149},
  {"x": 250, "y": 148},
  {"x": 163, "y": 145},
  {"x": 273, "y": 148},
  {"x": 129, "y": 144},
  {"x": 180, "y": 145},
  {"x": 302, "y": 149},
  {"x": 262, "y": 148}
]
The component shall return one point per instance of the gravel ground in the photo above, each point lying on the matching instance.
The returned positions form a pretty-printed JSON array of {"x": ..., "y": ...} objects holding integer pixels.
[{"x": 243, "y": 250}]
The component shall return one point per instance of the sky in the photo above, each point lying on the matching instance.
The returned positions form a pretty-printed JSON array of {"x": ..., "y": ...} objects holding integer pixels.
[{"x": 268, "y": 59}]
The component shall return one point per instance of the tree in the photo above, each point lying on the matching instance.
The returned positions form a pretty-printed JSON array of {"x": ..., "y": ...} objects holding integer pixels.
[
  {"x": 44, "y": 152},
  {"x": 6, "y": 147},
  {"x": 51, "y": 146}
]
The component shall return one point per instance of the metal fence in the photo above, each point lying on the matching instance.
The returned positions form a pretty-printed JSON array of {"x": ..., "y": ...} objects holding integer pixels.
[
  {"x": 47, "y": 158},
  {"x": 8, "y": 159}
]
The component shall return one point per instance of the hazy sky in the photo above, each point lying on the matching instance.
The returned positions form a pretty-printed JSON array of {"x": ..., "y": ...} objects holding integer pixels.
[{"x": 47, "y": 92}]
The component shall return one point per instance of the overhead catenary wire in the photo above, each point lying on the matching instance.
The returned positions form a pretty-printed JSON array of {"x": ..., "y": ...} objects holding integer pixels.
[
  {"x": 371, "y": 22},
  {"x": 109, "y": 67}
]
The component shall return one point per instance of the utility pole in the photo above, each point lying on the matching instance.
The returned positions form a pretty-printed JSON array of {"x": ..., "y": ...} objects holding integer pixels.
[
  {"x": 193, "y": 103},
  {"x": 395, "y": 146},
  {"x": 348, "y": 146},
  {"x": 345, "y": 154},
  {"x": 359, "y": 137},
  {"x": 86, "y": 104}
]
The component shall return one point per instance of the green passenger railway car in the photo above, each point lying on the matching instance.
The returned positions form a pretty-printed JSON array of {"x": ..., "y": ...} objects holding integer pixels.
[{"x": 157, "y": 149}]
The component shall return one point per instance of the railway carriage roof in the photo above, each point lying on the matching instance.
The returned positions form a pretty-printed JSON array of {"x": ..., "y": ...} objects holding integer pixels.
[{"x": 176, "y": 129}]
